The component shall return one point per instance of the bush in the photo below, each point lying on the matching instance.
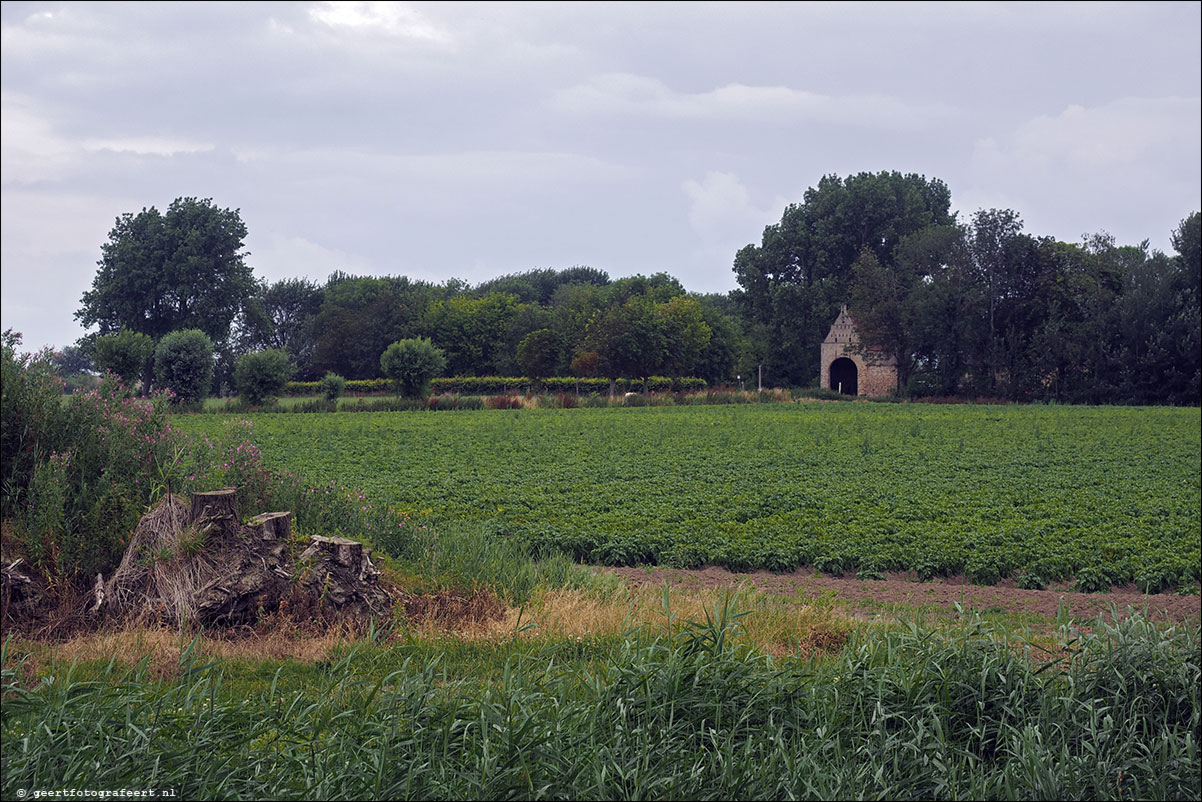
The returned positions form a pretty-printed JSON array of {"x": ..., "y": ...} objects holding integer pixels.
[
  {"x": 183, "y": 363},
  {"x": 411, "y": 364},
  {"x": 262, "y": 375},
  {"x": 503, "y": 402},
  {"x": 332, "y": 386},
  {"x": 114, "y": 459},
  {"x": 32, "y": 418},
  {"x": 125, "y": 354}
]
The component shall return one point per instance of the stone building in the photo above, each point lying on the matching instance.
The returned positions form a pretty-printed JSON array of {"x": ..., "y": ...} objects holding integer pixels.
[{"x": 853, "y": 369}]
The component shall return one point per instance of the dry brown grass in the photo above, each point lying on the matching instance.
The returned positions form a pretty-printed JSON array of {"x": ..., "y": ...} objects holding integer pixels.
[{"x": 777, "y": 626}]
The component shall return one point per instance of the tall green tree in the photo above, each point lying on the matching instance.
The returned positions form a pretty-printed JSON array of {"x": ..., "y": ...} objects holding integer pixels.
[
  {"x": 686, "y": 335},
  {"x": 628, "y": 339},
  {"x": 1187, "y": 241},
  {"x": 158, "y": 273},
  {"x": 538, "y": 355},
  {"x": 476, "y": 333},
  {"x": 361, "y": 315},
  {"x": 792, "y": 285},
  {"x": 282, "y": 315}
]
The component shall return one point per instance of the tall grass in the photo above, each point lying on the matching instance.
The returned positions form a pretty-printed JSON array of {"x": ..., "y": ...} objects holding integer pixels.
[{"x": 681, "y": 711}]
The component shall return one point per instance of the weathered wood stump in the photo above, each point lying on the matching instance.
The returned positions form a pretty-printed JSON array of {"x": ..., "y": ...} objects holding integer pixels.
[
  {"x": 20, "y": 595},
  {"x": 214, "y": 504},
  {"x": 341, "y": 573},
  {"x": 253, "y": 579},
  {"x": 271, "y": 526},
  {"x": 195, "y": 561}
]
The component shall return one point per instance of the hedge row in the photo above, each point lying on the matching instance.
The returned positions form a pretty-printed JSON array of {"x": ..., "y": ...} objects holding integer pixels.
[{"x": 493, "y": 385}]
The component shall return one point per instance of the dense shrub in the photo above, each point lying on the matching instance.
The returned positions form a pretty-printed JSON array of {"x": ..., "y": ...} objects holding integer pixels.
[
  {"x": 125, "y": 353},
  {"x": 411, "y": 364},
  {"x": 32, "y": 419},
  {"x": 503, "y": 402},
  {"x": 497, "y": 385},
  {"x": 114, "y": 459},
  {"x": 183, "y": 363},
  {"x": 332, "y": 386},
  {"x": 262, "y": 374}
]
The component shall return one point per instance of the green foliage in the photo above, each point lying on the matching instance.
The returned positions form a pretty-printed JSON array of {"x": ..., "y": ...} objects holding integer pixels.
[
  {"x": 997, "y": 490},
  {"x": 164, "y": 272},
  {"x": 282, "y": 316},
  {"x": 477, "y": 335},
  {"x": 492, "y": 385},
  {"x": 360, "y": 316},
  {"x": 411, "y": 364},
  {"x": 183, "y": 364},
  {"x": 114, "y": 458},
  {"x": 686, "y": 334},
  {"x": 332, "y": 386},
  {"x": 261, "y": 375},
  {"x": 679, "y": 711},
  {"x": 628, "y": 339},
  {"x": 538, "y": 353},
  {"x": 793, "y": 283},
  {"x": 125, "y": 354},
  {"x": 32, "y": 419}
]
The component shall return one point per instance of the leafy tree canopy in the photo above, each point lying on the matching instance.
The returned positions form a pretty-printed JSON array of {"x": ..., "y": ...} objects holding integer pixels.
[
  {"x": 281, "y": 316},
  {"x": 162, "y": 272}
]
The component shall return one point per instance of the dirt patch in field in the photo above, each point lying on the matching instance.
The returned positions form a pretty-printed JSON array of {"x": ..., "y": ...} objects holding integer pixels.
[{"x": 940, "y": 595}]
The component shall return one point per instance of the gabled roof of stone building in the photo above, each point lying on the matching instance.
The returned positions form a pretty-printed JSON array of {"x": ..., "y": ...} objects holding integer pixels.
[{"x": 844, "y": 331}]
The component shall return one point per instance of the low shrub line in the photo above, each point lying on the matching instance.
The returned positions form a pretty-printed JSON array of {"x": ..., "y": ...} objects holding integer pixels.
[
  {"x": 493, "y": 385},
  {"x": 513, "y": 400}
]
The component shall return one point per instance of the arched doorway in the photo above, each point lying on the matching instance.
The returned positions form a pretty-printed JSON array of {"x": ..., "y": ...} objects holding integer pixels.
[{"x": 843, "y": 376}]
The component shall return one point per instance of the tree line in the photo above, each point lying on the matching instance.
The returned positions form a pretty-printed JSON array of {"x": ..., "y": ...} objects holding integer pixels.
[{"x": 976, "y": 307}]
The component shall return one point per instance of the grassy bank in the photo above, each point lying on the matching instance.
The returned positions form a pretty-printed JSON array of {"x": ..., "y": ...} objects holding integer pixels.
[{"x": 672, "y": 709}]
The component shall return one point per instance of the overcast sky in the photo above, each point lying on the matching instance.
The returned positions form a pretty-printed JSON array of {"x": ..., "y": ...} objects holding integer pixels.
[{"x": 473, "y": 140}]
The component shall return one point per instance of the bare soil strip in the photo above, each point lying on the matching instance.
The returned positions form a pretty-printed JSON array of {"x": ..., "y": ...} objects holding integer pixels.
[{"x": 903, "y": 589}]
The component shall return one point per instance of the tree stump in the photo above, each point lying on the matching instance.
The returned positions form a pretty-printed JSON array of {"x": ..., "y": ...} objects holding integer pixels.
[
  {"x": 194, "y": 560},
  {"x": 271, "y": 526},
  {"x": 341, "y": 573},
  {"x": 215, "y": 510}
]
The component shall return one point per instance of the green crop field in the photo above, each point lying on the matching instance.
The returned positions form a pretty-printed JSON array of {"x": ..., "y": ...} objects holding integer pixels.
[{"x": 1106, "y": 495}]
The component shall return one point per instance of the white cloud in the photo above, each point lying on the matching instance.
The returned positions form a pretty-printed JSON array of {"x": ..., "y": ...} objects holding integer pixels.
[
  {"x": 636, "y": 95},
  {"x": 282, "y": 257},
  {"x": 724, "y": 217},
  {"x": 391, "y": 19},
  {"x": 720, "y": 207},
  {"x": 147, "y": 145},
  {"x": 1117, "y": 135},
  {"x": 30, "y": 148},
  {"x": 1090, "y": 168}
]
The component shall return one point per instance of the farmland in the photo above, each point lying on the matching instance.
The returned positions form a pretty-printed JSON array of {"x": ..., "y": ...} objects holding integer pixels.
[
  {"x": 1040, "y": 494},
  {"x": 573, "y": 685}
]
